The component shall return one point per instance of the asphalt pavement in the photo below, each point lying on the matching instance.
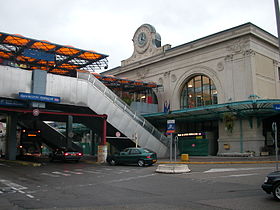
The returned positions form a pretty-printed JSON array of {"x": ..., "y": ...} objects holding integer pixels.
[{"x": 235, "y": 159}]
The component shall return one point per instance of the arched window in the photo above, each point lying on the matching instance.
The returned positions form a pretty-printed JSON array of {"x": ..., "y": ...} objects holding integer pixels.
[{"x": 198, "y": 91}]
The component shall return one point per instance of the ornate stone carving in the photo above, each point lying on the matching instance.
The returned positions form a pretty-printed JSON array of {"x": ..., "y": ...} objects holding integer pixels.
[
  {"x": 173, "y": 78},
  {"x": 166, "y": 74},
  {"x": 142, "y": 73},
  {"x": 220, "y": 66},
  {"x": 160, "y": 81},
  {"x": 249, "y": 52},
  {"x": 229, "y": 58},
  {"x": 238, "y": 46}
]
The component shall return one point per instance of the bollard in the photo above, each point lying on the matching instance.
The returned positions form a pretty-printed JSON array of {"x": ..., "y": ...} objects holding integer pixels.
[{"x": 185, "y": 157}]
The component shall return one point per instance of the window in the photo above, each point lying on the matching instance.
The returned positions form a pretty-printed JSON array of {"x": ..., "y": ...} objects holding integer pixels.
[
  {"x": 134, "y": 151},
  {"x": 198, "y": 91}
]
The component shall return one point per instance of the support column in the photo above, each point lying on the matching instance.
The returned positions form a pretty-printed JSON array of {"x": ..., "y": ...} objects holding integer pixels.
[
  {"x": 69, "y": 131},
  {"x": 102, "y": 148},
  {"x": 104, "y": 133},
  {"x": 11, "y": 143}
]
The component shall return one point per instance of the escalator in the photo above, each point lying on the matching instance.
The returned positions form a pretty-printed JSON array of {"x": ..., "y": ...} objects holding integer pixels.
[{"x": 51, "y": 137}]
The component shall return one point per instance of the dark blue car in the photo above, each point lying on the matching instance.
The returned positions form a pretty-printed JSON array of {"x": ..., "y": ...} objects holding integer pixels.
[{"x": 272, "y": 184}]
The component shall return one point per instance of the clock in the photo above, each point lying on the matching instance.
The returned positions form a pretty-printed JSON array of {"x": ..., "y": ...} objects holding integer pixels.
[
  {"x": 142, "y": 39},
  {"x": 145, "y": 39}
]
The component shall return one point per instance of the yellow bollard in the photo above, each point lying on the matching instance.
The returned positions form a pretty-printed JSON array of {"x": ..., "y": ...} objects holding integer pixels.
[{"x": 185, "y": 157}]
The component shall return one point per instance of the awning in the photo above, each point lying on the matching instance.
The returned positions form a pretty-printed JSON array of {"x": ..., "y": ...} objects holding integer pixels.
[
  {"x": 19, "y": 51},
  {"x": 242, "y": 109},
  {"x": 124, "y": 84}
]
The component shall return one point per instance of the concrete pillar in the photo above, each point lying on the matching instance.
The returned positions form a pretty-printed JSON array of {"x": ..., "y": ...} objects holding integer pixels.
[
  {"x": 69, "y": 131},
  {"x": 39, "y": 83},
  {"x": 11, "y": 145},
  {"x": 102, "y": 148}
]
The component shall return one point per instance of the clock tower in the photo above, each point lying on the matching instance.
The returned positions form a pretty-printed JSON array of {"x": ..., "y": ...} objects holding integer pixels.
[{"x": 146, "y": 42}]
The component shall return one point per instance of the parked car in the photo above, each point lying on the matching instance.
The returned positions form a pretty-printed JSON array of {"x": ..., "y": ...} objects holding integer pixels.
[
  {"x": 62, "y": 154},
  {"x": 133, "y": 155},
  {"x": 272, "y": 184}
]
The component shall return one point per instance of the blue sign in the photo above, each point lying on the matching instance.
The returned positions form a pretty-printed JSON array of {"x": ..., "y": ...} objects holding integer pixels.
[
  {"x": 10, "y": 102},
  {"x": 38, "y": 55},
  {"x": 170, "y": 126},
  {"x": 38, "y": 97},
  {"x": 276, "y": 107}
]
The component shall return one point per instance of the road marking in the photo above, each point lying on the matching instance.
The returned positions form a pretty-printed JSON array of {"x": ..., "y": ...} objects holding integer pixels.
[
  {"x": 60, "y": 173},
  {"x": 1, "y": 164},
  {"x": 16, "y": 187},
  {"x": 240, "y": 175},
  {"x": 131, "y": 178},
  {"x": 89, "y": 171},
  {"x": 215, "y": 170},
  {"x": 51, "y": 175},
  {"x": 11, "y": 184},
  {"x": 73, "y": 172}
]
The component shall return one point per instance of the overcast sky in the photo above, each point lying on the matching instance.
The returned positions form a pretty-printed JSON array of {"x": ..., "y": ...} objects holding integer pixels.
[{"x": 108, "y": 26}]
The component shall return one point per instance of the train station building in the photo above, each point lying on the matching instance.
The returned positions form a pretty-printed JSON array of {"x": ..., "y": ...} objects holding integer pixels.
[{"x": 222, "y": 90}]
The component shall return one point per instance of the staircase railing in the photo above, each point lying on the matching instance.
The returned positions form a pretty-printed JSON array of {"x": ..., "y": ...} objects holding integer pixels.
[{"x": 123, "y": 106}]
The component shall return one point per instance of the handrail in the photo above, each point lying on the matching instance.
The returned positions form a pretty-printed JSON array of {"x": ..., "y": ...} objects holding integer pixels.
[{"x": 122, "y": 105}]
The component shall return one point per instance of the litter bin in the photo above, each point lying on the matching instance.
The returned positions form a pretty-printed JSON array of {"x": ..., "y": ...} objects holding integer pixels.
[{"x": 185, "y": 157}]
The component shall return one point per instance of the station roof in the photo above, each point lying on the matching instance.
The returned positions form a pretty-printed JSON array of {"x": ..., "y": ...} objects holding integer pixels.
[
  {"x": 124, "y": 84},
  {"x": 243, "y": 109},
  {"x": 40, "y": 54}
]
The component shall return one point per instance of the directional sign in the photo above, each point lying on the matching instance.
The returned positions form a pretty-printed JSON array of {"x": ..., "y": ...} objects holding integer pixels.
[
  {"x": 276, "y": 107},
  {"x": 170, "y": 126},
  {"x": 38, "y": 97}
]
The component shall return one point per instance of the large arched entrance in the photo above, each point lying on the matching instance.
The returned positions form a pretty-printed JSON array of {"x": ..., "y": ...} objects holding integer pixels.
[{"x": 199, "y": 90}]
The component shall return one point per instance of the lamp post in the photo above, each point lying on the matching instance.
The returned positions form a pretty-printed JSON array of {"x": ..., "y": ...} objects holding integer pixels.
[{"x": 276, "y": 5}]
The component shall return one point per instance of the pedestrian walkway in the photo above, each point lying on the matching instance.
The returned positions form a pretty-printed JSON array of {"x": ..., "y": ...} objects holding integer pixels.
[{"x": 220, "y": 160}]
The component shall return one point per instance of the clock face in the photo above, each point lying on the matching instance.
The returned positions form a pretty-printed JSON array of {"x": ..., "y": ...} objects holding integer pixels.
[{"x": 142, "y": 39}]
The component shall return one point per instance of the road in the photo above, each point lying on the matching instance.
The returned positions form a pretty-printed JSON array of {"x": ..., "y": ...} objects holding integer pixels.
[{"x": 93, "y": 186}]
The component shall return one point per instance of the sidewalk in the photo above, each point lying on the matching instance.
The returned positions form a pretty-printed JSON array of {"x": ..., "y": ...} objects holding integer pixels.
[{"x": 220, "y": 160}]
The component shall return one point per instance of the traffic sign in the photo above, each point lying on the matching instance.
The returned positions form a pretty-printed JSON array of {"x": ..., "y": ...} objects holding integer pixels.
[
  {"x": 170, "y": 126},
  {"x": 36, "y": 112}
]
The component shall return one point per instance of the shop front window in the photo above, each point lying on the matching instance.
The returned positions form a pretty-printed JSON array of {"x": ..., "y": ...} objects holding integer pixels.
[{"x": 198, "y": 91}]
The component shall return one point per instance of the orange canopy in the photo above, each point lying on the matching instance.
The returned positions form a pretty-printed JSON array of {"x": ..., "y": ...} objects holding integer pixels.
[{"x": 20, "y": 51}]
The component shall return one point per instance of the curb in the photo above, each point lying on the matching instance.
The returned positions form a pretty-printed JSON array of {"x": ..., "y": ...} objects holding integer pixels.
[
  {"x": 220, "y": 162},
  {"x": 24, "y": 163},
  {"x": 173, "y": 169}
]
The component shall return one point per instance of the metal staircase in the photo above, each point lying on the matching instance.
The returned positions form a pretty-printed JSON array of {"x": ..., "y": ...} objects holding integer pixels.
[{"x": 87, "y": 91}]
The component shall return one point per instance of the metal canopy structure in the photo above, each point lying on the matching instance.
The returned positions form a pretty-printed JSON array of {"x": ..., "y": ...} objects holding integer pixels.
[
  {"x": 27, "y": 53},
  {"x": 243, "y": 109},
  {"x": 124, "y": 84}
]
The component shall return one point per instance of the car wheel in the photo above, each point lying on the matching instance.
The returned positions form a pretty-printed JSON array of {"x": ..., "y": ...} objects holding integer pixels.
[
  {"x": 112, "y": 162},
  {"x": 141, "y": 163},
  {"x": 276, "y": 191}
]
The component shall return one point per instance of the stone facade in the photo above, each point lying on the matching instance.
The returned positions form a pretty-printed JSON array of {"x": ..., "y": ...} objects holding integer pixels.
[{"x": 241, "y": 61}]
